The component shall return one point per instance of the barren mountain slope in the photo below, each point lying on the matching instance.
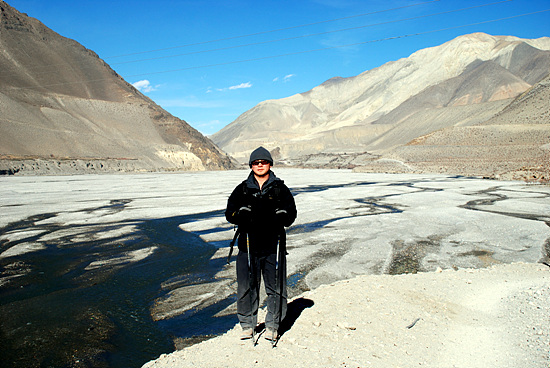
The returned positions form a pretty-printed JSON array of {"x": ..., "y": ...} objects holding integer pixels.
[
  {"x": 59, "y": 102},
  {"x": 470, "y": 98},
  {"x": 459, "y": 82},
  {"x": 514, "y": 144}
]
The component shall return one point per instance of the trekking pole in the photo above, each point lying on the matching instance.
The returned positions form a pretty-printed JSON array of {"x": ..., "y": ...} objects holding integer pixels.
[
  {"x": 278, "y": 280},
  {"x": 232, "y": 244},
  {"x": 251, "y": 283}
]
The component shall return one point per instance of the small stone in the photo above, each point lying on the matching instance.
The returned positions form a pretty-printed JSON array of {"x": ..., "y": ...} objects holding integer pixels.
[{"x": 346, "y": 326}]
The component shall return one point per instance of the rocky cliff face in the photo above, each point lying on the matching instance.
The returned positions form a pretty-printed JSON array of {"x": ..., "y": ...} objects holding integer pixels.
[
  {"x": 463, "y": 82},
  {"x": 63, "y": 109}
]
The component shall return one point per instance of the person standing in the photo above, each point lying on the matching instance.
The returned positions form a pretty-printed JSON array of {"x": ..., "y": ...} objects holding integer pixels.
[{"x": 261, "y": 206}]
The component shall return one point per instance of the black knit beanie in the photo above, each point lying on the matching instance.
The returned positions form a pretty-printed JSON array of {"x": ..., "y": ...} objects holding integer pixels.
[{"x": 260, "y": 153}]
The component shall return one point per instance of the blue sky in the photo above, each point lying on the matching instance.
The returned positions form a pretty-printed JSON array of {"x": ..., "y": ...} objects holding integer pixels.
[{"x": 207, "y": 62}]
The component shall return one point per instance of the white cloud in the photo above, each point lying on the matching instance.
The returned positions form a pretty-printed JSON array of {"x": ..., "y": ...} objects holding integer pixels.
[
  {"x": 242, "y": 85},
  {"x": 238, "y": 86},
  {"x": 285, "y": 79},
  {"x": 288, "y": 77},
  {"x": 144, "y": 86}
]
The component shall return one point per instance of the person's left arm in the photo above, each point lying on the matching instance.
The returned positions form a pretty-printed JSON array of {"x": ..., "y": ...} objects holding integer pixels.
[{"x": 286, "y": 212}]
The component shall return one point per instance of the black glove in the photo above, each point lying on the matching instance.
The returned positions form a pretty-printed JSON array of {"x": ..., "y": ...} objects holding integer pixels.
[
  {"x": 244, "y": 215},
  {"x": 281, "y": 216}
]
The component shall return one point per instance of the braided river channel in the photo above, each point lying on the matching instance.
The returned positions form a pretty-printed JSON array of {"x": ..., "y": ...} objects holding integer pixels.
[{"x": 114, "y": 270}]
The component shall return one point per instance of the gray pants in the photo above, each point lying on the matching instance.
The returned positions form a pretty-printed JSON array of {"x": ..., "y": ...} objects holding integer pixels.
[{"x": 248, "y": 291}]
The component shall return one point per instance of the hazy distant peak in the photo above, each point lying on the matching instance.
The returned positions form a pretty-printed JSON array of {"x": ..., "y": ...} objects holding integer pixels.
[{"x": 459, "y": 82}]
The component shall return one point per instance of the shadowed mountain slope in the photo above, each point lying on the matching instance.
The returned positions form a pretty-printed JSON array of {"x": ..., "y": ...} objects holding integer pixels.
[{"x": 63, "y": 109}]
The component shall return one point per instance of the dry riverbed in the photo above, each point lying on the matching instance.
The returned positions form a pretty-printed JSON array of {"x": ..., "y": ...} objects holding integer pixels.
[{"x": 492, "y": 317}]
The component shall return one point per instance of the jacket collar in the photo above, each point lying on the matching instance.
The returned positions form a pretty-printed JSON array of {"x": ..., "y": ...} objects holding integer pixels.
[{"x": 253, "y": 184}]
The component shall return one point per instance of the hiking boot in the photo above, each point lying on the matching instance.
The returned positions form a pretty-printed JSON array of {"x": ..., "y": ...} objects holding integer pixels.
[
  {"x": 247, "y": 333},
  {"x": 271, "y": 335}
]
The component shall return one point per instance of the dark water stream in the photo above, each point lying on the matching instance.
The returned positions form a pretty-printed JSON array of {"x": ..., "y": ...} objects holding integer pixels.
[{"x": 57, "y": 311}]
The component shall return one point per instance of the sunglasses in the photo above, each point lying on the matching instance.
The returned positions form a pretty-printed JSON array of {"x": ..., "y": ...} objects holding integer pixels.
[{"x": 260, "y": 162}]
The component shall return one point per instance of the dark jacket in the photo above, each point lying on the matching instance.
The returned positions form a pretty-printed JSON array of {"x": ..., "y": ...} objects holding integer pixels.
[{"x": 270, "y": 210}]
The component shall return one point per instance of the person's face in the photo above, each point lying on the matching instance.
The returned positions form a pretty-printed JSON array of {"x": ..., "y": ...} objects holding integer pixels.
[{"x": 261, "y": 167}]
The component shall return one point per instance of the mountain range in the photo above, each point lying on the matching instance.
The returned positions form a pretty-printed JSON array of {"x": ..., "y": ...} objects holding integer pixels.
[
  {"x": 442, "y": 109},
  {"x": 475, "y": 105},
  {"x": 63, "y": 109}
]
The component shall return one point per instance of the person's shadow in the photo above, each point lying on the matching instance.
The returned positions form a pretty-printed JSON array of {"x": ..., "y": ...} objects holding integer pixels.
[{"x": 294, "y": 309}]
